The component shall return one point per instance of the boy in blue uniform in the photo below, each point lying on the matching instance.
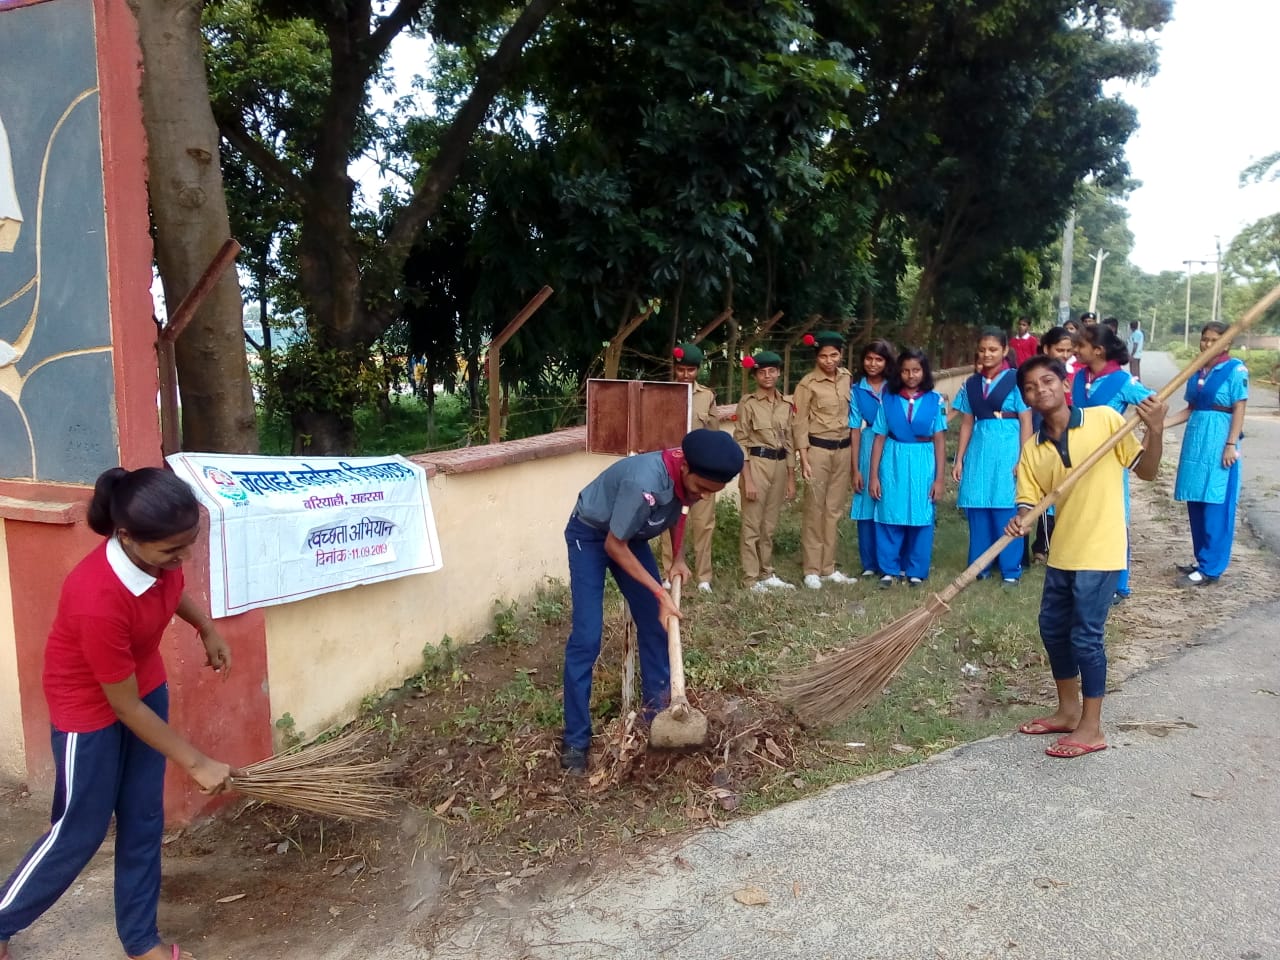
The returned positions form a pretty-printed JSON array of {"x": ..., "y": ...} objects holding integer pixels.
[{"x": 616, "y": 516}]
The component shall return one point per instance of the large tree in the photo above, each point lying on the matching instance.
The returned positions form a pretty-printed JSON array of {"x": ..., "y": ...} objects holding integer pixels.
[
  {"x": 189, "y": 213},
  {"x": 347, "y": 278}
]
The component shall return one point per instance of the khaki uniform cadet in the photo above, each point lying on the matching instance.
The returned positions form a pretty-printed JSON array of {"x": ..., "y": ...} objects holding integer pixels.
[
  {"x": 763, "y": 432},
  {"x": 700, "y": 527},
  {"x": 820, "y": 427}
]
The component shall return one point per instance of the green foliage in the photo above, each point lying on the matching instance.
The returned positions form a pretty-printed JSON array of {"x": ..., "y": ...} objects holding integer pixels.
[{"x": 903, "y": 165}]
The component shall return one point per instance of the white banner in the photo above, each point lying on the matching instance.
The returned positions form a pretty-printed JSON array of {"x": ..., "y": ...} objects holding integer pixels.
[{"x": 285, "y": 528}]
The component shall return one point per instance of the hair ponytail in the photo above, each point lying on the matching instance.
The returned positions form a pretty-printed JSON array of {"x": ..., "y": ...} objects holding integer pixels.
[{"x": 149, "y": 504}]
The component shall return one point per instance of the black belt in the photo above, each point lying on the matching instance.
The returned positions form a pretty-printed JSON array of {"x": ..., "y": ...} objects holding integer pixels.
[
  {"x": 928, "y": 439},
  {"x": 829, "y": 444},
  {"x": 1222, "y": 409},
  {"x": 767, "y": 453},
  {"x": 999, "y": 415}
]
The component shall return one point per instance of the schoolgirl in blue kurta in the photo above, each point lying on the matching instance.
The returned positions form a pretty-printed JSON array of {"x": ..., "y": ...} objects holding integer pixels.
[
  {"x": 907, "y": 460},
  {"x": 1208, "y": 479},
  {"x": 1102, "y": 382},
  {"x": 995, "y": 425},
  {"x": 878, "y": 360}
]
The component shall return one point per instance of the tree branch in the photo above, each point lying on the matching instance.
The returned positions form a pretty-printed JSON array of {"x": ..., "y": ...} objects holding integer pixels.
[
  {"x": 272, "y": 167},
  {"x": 439, "y": 177},
  {"x": 391, "y": 25}
]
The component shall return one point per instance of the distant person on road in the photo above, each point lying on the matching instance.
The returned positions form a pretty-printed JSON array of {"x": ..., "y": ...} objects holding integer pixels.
[
  {"x": 105, "y": 684},
  {"x": 1137, "y": 341},
  {"x": 1087, "y": 552},
  {"x": 1208, "y": 479},
  {"x": 1024, "y": 343},
  {"x": 617, "y": 514}
]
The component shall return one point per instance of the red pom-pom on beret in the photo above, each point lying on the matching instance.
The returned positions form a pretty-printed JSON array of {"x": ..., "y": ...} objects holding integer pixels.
[
  {"x": 749, "y": 363},
  {"x": 678, "y": 353},
  {"x": 808, "y": 340}
]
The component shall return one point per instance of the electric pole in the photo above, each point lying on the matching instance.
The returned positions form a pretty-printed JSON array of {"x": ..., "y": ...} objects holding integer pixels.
[
  {"x": 1097, "y": 276},
  {"x": 1068, "y": 258}
]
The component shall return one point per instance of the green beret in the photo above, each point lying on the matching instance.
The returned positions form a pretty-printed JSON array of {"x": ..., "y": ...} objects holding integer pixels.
[
  {"x": 688, "y": 355},
  {"x": 763, "y": 358},
  {"x": 712, "y": 454},
  {"x": 825, "y": 338}
]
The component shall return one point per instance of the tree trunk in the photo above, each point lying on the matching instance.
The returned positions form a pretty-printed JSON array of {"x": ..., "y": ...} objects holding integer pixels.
[{"x": 189, "y": 210}]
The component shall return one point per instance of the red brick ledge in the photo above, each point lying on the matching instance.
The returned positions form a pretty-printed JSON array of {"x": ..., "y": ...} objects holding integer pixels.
[
  {"x": 509, "y": 452},
  {"x": 491, "y": 455},
  {"x": 42, "y": 511}
]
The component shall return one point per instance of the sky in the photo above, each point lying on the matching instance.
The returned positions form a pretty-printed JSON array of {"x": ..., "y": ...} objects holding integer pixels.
[{"x": 1204, "y": 117}]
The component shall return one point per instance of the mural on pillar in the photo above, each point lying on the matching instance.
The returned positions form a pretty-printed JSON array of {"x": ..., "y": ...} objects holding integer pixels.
[{"x": 57, "y": 390}]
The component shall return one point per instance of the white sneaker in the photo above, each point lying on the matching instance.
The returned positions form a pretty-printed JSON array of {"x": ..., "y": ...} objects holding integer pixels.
[
  {"x": 775, "y": 582},
  {"x": 835, "y": 576},
  {"x": 759, "y": 587},
  {"x": 868, "y": 574},
  {"x": 704, "y": 586},
  {"x": 813, "y": 581},
  {"x": 666, "y": 584}
]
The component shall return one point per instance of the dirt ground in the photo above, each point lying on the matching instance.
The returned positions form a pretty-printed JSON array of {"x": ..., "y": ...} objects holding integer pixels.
[{"x": 492, "y": 822}]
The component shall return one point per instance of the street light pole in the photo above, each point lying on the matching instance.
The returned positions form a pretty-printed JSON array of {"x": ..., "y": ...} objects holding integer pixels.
[
  {"x": 1217, "y": 281},
  {"x": 1186, "y": 323}
]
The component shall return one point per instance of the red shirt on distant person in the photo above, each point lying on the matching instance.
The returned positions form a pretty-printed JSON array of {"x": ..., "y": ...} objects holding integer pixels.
[{"x": 1024, "y": 343}]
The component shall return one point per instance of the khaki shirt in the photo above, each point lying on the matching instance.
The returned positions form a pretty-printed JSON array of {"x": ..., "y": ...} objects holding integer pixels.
[
  {"x": 822, "y": 407},
  {"x": 704, "y": 402},
  {"x": 763, "y": 423}
]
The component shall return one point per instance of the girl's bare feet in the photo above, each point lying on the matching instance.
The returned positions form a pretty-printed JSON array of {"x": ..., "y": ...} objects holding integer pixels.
[{"x": 162, "y": 951}]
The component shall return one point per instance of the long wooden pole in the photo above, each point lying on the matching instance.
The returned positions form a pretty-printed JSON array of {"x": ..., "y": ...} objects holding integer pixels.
[
  {"x": 170, "y": 430},
  {"x": 492, "y": 359},
  {"x": 970, "y": 573}
]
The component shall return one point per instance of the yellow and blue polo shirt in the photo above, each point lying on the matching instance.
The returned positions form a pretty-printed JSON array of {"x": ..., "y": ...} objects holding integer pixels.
[{"x": 1090, "y": 530}]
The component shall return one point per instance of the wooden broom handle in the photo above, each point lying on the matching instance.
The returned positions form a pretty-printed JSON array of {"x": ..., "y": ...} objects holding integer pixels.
[
  {"x": 970, "y": 573},
  {"x": 675, "y": 653}
]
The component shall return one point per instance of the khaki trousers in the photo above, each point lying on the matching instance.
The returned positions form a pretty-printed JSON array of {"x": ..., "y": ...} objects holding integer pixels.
[
  {"x": 700, "y": 527},
  {"x": 826, "y": 500},
  {"x": 760, "y": 517}
]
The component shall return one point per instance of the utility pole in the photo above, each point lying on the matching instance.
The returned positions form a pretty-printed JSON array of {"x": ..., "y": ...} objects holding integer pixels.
[
  {"x": 1186, "y": 322},
  {"x": 1217, "y": 280},
  {"x": 1097, "y": 276},
  {"x": 1068, "y": 258}
]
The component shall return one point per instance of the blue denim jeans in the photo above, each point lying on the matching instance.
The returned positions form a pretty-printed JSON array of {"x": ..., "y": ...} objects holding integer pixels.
[
  {"x": 1073, "y": 615},
  {"x": 587, "y": 565}
]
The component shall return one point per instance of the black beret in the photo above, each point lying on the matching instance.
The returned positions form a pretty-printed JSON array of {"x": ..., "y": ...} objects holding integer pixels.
[
  {"x": 688, "y": 355},
  {"x": 712, "y": 454}
]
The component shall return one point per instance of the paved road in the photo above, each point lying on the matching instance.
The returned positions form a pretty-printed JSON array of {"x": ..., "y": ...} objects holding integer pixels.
[{"x": 1161, "y": 848}]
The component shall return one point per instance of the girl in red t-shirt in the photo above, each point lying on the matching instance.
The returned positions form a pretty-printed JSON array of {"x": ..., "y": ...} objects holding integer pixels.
[{"x": 109, "y": 706}]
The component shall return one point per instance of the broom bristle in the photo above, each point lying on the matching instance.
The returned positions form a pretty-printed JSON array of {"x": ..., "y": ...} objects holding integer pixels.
[
  {"x": 318, "y": 779},
  {"x": 831, "y": 690}
]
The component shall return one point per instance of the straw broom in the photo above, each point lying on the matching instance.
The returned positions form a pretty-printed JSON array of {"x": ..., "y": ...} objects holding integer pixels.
[
  {"x": 832, "y": 689},
  {"x": 325, "y": 778}
]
